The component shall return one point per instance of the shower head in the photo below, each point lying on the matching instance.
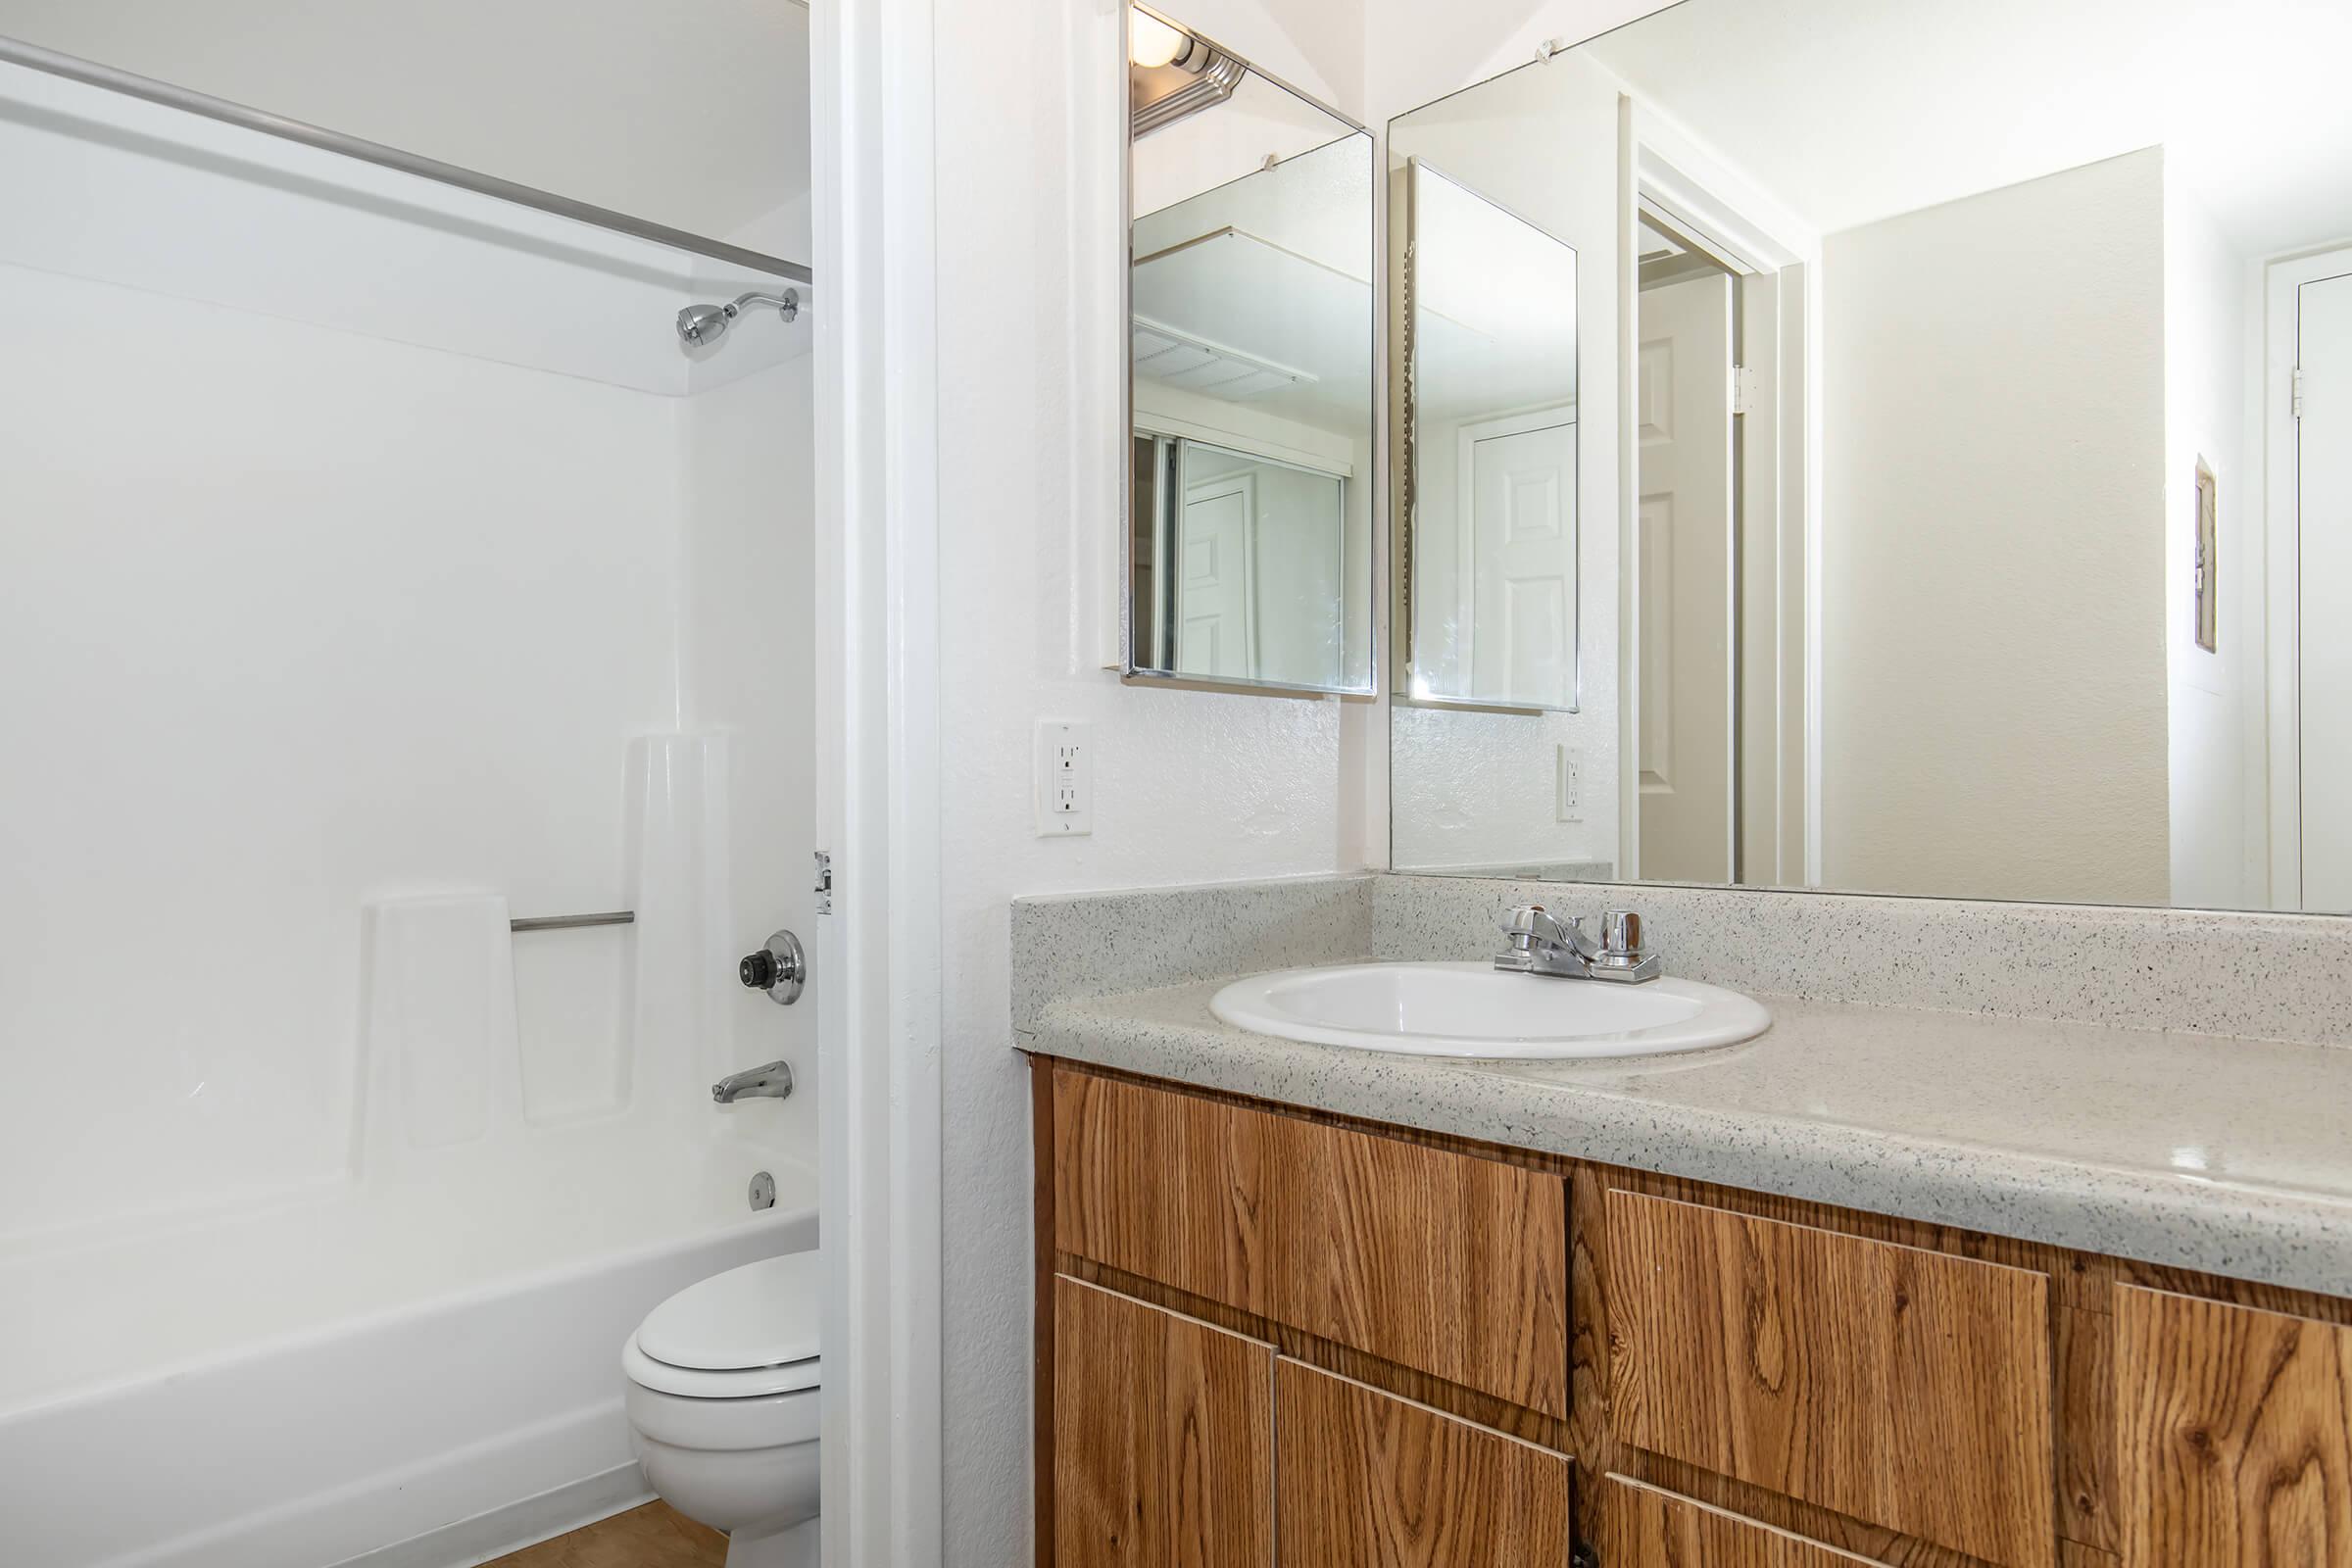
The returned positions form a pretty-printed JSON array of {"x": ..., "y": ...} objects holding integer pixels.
[{"x": 700, "y": 325}]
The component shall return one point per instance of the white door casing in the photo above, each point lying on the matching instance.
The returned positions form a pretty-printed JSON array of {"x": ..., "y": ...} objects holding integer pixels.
[
  {"x": 2324, "y": 562},
  {"x": 1518, "y": 575},
  {"x": 1683, "y": 567}
]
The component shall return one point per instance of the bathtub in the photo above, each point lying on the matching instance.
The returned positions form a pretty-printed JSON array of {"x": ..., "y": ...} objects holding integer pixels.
[{"x": 388, "y": 1375}]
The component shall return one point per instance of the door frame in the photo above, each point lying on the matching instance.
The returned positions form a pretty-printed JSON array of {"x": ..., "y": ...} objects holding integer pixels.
[
  {"x": 1676, "y": 182},
  {"x": 2282, "y": 712},
  {"x": 877, "y": 742}
]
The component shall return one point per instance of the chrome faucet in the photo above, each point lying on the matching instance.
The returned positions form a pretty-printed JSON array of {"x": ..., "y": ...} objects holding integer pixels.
[
  {"x": 773, "y": 1081},
  {"x": 1534, "y": 942}
]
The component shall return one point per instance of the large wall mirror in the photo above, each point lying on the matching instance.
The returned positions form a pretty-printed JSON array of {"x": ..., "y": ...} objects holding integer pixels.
[
  {"x": 1882, "y": 446},
  {"x": 1251, "y": 380}
]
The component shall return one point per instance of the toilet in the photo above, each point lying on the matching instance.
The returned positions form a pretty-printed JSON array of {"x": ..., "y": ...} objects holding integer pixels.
[{"x": 722, "y": 1404}]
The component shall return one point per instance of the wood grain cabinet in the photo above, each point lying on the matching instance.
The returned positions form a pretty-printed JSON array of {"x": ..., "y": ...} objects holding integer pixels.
[
  {"x": 1439, "y": 1261},
  {"x": 2235, "y": 1434},
  {"x": 1366, "y": 1480},
  {"x": 1163, "y": 1451},
  {"x": 1270, "y": 1338},
  {"x": 1897, "y": 1385}
]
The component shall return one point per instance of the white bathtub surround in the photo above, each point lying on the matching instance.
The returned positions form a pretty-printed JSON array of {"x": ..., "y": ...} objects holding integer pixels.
[
  {"x": 407, "y": 585},
  {"x": 441, "y": 1016}
]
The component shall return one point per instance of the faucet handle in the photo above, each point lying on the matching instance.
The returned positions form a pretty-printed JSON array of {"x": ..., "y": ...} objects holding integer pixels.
[
  {"x": 1621, "y": 934},
  {"x": 1533, "y": 920}
]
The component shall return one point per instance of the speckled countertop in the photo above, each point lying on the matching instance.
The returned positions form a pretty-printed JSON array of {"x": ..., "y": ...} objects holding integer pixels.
[{"x": 2227, "y": 1154}]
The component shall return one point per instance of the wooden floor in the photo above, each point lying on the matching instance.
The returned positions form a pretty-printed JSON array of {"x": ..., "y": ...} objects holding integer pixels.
[{"x": 655, "y": 1535}]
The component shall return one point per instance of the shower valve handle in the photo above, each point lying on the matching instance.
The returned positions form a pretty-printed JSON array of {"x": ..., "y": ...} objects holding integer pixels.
[{"x": 781, "y": 968}]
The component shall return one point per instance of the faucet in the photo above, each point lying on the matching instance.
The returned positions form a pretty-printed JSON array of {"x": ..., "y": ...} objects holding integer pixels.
[
  {"x": 772, "y": 1081},
  {"x": 1536, "y": 944}
]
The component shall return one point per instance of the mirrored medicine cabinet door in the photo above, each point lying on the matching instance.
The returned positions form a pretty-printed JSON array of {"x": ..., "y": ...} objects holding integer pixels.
[{"x": 1248, "y": 534}]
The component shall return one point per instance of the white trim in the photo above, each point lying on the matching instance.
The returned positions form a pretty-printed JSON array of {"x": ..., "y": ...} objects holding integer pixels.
[
  {"x": 1678, "y": 177},
  {"x": 1629, "y": 499},
  {"x": 2282, "y": 494},
  {"x": 877, "y": 681}
]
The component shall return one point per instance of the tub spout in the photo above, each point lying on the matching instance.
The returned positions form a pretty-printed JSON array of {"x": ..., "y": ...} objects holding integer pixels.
[{"x": 772, "y": 1080}]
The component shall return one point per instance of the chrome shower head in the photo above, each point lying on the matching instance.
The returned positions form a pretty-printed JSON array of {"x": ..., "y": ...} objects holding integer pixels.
[
  {"x": 703, "y": 324},
  {"x": 700, "y": 325}
]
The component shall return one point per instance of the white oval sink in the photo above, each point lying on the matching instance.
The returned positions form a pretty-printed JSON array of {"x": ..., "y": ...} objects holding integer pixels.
[{"x": 1475, "y": 1009}]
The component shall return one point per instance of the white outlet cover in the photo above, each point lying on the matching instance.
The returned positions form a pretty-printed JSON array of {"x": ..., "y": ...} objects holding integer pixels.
[
  {"x": 1567, "y": 787},
  {"x": 1064, "y": 787}
]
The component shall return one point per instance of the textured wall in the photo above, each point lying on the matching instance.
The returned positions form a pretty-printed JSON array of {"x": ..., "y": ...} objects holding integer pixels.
[{"x": 1992, "y": 578}]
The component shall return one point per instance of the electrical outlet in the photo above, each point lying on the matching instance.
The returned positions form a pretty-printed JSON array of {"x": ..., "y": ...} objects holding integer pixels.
[
  {"x": 1566, "y": 789},
  {"x": 1065, "y": 779}
]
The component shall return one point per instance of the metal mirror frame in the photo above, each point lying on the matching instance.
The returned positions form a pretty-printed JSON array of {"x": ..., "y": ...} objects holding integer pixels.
[{"x": 1375, "y": 388}]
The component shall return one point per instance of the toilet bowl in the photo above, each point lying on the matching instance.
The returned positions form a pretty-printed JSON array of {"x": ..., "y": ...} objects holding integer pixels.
[{"x": 722, "y": 1404}]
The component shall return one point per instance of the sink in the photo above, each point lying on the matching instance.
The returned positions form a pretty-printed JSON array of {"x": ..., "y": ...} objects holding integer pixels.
[{"x": 1475, "y": 1009}]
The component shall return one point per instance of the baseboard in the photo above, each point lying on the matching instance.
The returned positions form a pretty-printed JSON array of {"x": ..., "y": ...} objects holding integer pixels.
[{"x": 486, "y": 1536}]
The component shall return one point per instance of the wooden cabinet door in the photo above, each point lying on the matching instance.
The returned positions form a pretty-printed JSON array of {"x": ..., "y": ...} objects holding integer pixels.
[
  {"x": 1163, "y": 1437},
  {"x": 1646, "y": 1528},
  {"x": 1905, "y": 1387},
  {"x": 1441, "y": 1261},
  {"x": 1366, "y": 1480},
  {"x": 2234, "y": 1430},
  {"x": 1169, "y": 1186}
]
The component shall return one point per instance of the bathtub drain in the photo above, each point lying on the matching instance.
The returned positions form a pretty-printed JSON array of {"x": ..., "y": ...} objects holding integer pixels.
[{"x": 763, "y": 1190}]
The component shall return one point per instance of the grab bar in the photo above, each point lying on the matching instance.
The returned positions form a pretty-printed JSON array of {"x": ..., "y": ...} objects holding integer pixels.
[{"x": 565, "y": 922}]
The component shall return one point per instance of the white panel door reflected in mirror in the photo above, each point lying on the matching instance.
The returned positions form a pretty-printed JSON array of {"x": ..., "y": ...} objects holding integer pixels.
[{"x": 1250, "y": 529}]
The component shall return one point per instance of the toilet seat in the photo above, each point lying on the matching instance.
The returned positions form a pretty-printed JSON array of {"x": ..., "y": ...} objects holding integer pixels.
[{"x": 744, "y": 1334}]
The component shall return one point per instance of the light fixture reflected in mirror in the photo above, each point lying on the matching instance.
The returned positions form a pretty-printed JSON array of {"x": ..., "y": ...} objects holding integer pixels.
[{"x": 1152, "y": 43}]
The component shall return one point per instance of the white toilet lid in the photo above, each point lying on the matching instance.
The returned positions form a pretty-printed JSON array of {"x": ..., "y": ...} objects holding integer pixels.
[{"x": 762, "y": 1314}]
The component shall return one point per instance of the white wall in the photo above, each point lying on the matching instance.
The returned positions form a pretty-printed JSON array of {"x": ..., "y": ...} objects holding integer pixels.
[
  {"x": 1471, "y": 788},
  {"x": 2215, "y": 734},
  {"x": 1993, "y": 612}
]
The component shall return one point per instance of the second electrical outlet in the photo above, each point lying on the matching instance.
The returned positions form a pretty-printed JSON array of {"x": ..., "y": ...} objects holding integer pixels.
[{"x": 1065, "y": 778}]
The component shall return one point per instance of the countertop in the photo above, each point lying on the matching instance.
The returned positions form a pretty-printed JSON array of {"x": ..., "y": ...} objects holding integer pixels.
[{"x": 2228, "y": 1156}]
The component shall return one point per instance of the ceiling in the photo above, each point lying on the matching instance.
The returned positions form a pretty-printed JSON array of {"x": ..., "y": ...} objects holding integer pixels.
[
  {"x": 1849, "y": 111},
  {"x": 691, "y": 113}
]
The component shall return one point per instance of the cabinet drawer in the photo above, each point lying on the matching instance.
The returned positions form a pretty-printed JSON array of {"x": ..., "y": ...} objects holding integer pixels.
[
  {"x": 1442, "y": 1262},
  {"x": 1904, "y": 1387},
  {"x": 1646, "y": 1528},
  {"x": 1362, "y": 1477},
  {"x": 1163, "y": 1437},
  {"x": 1172, "y": 1188},
  {"x": 2235, "y": 1433}
]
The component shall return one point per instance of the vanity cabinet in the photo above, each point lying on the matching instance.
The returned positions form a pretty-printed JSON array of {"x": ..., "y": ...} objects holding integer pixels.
[
  {"x": 2235, "y": 1440},
  {"x": 1899, "y": 1386},
  {"x": 1276, "y": 1337},
  {"x": 1364, "y": 1477},
  {"x": 1165, "y": 1427}
]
